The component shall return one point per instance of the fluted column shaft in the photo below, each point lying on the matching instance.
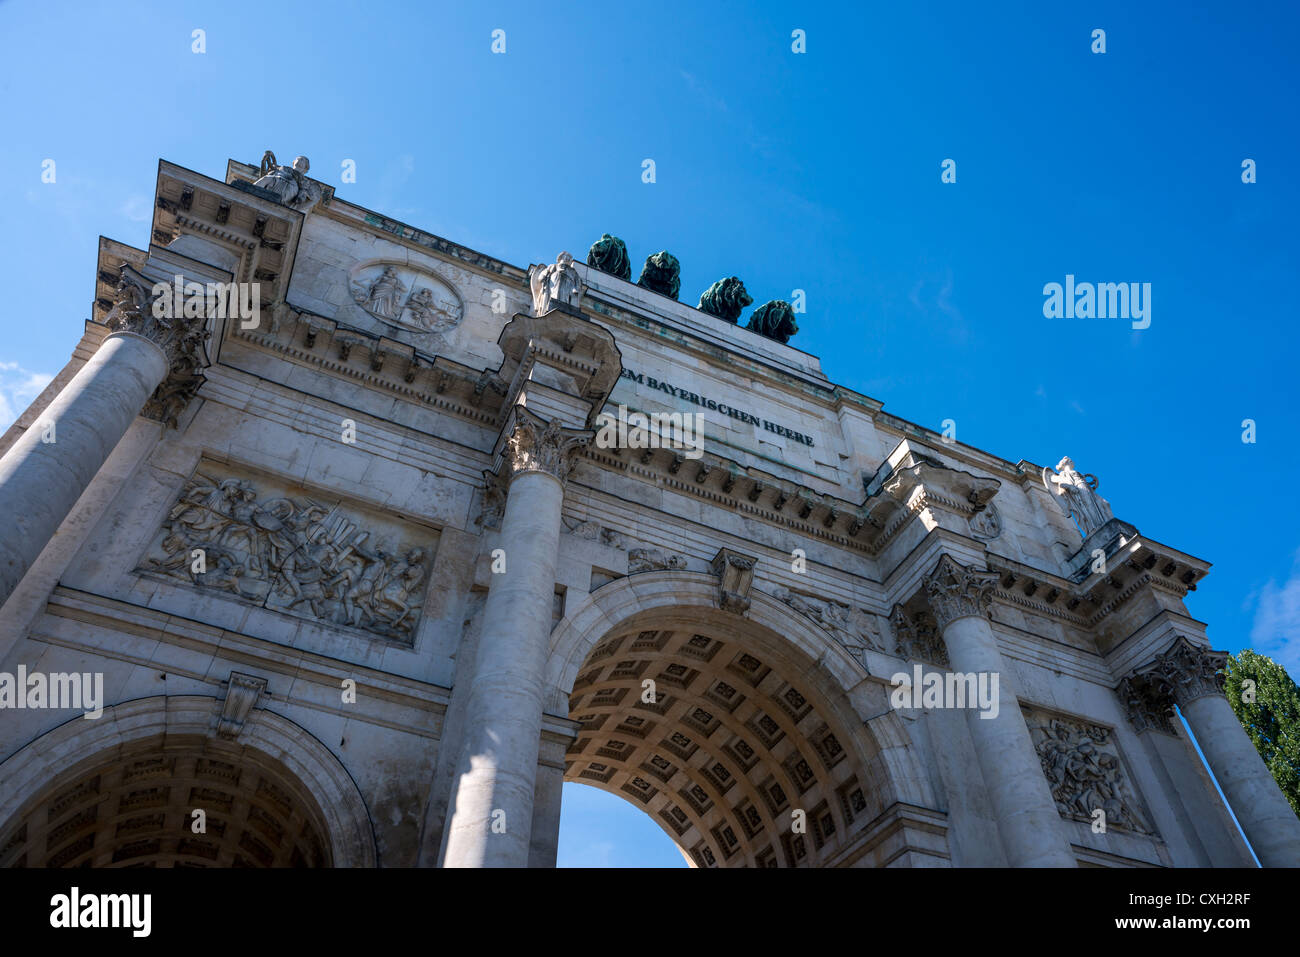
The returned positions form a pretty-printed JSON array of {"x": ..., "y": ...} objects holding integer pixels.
[
  {"x": 1028, "y": 822},
  {"x": 1192, "y": 678},
  {"x": 492, "y": 798},
  {"x": 41, "y": 480}
]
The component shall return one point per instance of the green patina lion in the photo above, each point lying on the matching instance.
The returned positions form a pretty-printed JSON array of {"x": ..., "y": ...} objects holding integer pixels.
[
  {"x": 775, "y": 320},
  {"x": 662, "y": 273},
  {"x": 725, "y": 299},
  {"x": 609, "y": 255}
]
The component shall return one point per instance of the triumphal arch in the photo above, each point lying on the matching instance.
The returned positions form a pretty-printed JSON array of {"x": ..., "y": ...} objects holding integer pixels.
[{"x": 337, "y": 543}]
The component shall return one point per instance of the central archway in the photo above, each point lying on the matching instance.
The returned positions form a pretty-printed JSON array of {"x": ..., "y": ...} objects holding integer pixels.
[{"x": 752, "y": 740}]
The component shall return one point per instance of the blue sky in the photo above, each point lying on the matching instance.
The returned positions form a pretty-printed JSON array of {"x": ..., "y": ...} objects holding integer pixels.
[{"x": 818, "y": 171}]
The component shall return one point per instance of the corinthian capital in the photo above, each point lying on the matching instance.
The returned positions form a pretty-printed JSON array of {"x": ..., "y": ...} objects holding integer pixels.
[
  {"x": 181, "y": 339},
  {"x": 137, "y": 310},
  {"x": 536, "y": 445},
  {"x": 956, "y": 591},
  {"x": 1147, "y": 702},
  {"x": 1188, "y": 671}
]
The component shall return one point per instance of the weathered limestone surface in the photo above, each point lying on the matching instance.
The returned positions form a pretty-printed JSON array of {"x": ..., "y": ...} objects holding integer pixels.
[
  {"x": 505, "y": 706},
  {"x": 1027, "y": 821},
  {"x": 354, "y": 667}
]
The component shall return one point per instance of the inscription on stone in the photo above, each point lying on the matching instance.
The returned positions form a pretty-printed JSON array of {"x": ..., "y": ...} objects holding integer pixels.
[{"x": 642, "y": 379}]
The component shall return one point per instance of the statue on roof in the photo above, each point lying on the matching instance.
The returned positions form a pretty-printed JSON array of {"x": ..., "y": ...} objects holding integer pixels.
[
  {"x": 662, "y": 273},
  {"x": 725, "y": 299},
  {"x": 775, "y": 320},
  {"x": 555, "y": 285},
  {"x": 290, "y": 184},
  {"x": 1077, "y": 495},
  {"x": 609, "y": 255}
]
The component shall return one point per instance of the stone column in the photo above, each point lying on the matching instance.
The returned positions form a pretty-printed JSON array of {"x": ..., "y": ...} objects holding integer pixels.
[
  {"x": 492, "y": 799},
  {"x": 1028, "y": 822},
  {"x": 1191, "y": 677},
  {"x": 44, "y": 473}
]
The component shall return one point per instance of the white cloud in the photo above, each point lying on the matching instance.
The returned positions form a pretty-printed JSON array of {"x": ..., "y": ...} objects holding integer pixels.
[
  {"x": 1276, "y": 630},
  {"x": 932, "y": 297},
  {"x": 18, "y": 387},
  {"x": 138, "y": 209}
]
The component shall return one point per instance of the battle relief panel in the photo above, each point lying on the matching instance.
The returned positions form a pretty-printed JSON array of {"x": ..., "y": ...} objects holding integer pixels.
[
  {"x": 1086, "y": 773},
  {"x": 288, "y": 548},
  {"x": 413, "y": 299}
]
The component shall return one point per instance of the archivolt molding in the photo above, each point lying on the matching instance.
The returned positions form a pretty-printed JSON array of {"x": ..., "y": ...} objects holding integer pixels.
[
  {"x": 689, "y": 594},
  {"x": 726, "y": 483},
  {"x": 82, "y": 743}
]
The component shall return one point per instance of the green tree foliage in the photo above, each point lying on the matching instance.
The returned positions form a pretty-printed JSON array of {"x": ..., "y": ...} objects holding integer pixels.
[{"x": 1272, "y": 718}]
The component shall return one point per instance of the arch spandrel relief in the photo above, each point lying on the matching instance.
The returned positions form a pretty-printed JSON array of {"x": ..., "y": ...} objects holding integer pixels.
[
  {"x": 294, "y": 550},
  {"x": 1086, "y": 772},
  {"x": 406, "y": 297}
]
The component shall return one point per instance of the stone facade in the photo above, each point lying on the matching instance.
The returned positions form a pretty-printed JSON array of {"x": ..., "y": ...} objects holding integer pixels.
[{"x": 363, "y": 587}]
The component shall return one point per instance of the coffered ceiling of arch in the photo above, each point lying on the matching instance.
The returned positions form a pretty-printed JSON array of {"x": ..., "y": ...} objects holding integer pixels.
[
  {"x": 721, "y": 750},
  {"x": 138, "y": 812}
]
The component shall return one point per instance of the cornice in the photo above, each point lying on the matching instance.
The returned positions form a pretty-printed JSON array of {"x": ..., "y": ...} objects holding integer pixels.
[
  {"x": 104, "y": 614},
  {"x": 1087, "y": 605},
  {"x": 727, "y": 483},
  {"x": 342, "y": 211},
  {"x": 428, "y": 380}
]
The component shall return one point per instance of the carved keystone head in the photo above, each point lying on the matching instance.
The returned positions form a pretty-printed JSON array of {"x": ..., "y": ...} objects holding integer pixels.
[
  {"x": 242, "y": 692},
  {"x": 735, "y": 577}
]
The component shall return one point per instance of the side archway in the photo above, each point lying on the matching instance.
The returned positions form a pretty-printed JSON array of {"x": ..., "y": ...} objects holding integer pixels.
[
  {"x": 753, "y": 740},
  {"x": 120, "y": 789}
]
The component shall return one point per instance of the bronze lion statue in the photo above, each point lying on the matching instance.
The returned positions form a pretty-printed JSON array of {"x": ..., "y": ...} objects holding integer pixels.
[
  {"x": 662, "y": 273},
  {"x": 608, "y": 254},
  {"x": 775, "y": 320},
  {"x": 725, "y": 299}
]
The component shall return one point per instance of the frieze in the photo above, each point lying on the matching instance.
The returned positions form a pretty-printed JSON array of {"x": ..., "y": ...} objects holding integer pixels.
[
  {"x": 654, "y": 559},
  {"x": 277, "y": 546}
]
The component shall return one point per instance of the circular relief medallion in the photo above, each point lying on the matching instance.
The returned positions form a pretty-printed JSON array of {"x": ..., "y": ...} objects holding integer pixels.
[{"x": 406, "y": 297}]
